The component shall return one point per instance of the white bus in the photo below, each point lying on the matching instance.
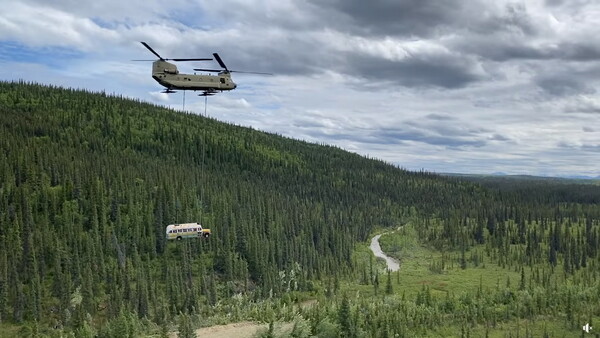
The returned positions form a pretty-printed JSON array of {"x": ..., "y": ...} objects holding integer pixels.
[{"x": 186, "y": 230}]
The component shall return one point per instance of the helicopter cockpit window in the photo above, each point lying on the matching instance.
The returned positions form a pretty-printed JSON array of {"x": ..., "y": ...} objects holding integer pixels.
[{"x": 222, "y": 80}]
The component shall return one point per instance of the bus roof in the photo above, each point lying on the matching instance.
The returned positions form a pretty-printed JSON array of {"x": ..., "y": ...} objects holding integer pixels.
[{"x": 183, "y": 225}]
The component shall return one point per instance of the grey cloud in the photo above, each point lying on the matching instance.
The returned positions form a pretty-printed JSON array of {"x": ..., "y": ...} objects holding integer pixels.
[
  {"x": 576, "y": 147},
  {"x": 455, "y": 129},
  {"x": 516, "y": 16},
  {"x": 309, "y": 124},
  {"x": 447, "y": 137},
  {"x": 440, "y": 117},
  {"x": 562, "y": 85},
  {"x": 513, "y": 33},
  {"x": 108, "y": 11},
  {"x": 474, "y": 33},
  {"x": 569, "y": 3},
  {"x": 505, "y": 48},
  {"x": 555, "y": 2},
  {"x": 425, "y": 18},
  {"x": 502, "y": 48},
  {"x": 588, "y": 129},
  {"x": 591, "y": 147},
  {"x": 401, "y": 18},
  {"x": 391, "y": 136},
  {"x": 583, "y": 105},
  {"x": 498, "y": 137},
  {"x": 446, "y": 71},
  {"x": 565, "y": 79},
  {"x": 580, "y": 51},
  {"x": 274, "y": 51}
]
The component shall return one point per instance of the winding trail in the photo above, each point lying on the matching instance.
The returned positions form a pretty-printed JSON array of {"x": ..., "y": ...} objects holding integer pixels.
[{"x": 392, "y": 264}]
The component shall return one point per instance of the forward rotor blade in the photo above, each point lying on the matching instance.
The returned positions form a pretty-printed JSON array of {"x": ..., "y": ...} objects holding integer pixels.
[
  {"x": 221, "y": 63},
  {"x": 143, "y": 60},
  {"x": 204, "y": 59},
  {"x": 208, "y": 70},
  {"x": 152, "y": 50}
]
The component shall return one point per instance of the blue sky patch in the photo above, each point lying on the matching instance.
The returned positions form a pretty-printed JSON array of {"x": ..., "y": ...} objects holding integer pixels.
[
  {"x": 55, "y": 57},
  {"x": 192, "y": 17}
]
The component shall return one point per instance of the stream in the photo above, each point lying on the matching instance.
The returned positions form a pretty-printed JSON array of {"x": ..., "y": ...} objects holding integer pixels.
[{"x": 392, "y": 264}]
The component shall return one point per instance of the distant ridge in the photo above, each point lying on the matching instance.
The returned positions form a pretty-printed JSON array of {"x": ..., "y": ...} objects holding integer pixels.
[{"x": 499, "y": 175}]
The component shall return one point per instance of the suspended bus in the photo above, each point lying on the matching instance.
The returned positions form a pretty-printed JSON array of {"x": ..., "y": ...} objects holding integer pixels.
[{"x": 186, "y": 230}]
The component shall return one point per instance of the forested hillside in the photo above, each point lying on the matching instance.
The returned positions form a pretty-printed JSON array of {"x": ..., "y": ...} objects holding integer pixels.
[{"x": 88, "y": 183}]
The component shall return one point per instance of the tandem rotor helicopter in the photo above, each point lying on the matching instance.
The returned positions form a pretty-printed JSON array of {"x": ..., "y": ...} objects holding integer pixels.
[{"x": 169, "y": 77}]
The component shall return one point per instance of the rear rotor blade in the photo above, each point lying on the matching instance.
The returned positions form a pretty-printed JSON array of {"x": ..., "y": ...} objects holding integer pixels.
[
  {"x": 204, "y": 59},
  {"x": 152, "y": 50},
  {"x": 239, "y": 71},
  {"x": 221, "y": 63},
  {"x": 208, "y": 70}
]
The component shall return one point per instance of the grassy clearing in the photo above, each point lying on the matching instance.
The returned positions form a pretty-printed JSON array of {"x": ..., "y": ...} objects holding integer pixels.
[
  {"x": 543, "y": 327},
  {"x": 9, "y": 330},
  {"x": 418, "y": 261},
  {"x": 447, "y": 273}
]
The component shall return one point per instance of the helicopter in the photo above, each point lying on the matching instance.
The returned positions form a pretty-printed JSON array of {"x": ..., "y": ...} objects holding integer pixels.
[{"x": 168, "y": 75}]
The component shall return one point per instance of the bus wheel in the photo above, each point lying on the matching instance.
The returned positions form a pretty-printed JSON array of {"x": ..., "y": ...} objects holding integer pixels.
[
  {"x": 206, "y": 235},
  {"x": 178, "y": 238}
]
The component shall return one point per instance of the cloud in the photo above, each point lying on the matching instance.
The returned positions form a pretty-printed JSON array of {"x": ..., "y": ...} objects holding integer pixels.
[
  {"x": 498, "y": 137},
  {"x": 562, "y": 84},
  {"x": 160, "y": 96},
  {"x": 417, "y": 71},
  {"x": 584, "y": 104},
  {"x": 439, "y": 117},
  {"x": 47, "y": 26},
  {"x": 591, "y": 147},
  {"x": 110, "y": 12},
  {"x": 397, "y": 18},
  {"x": 576, "y": 146}
]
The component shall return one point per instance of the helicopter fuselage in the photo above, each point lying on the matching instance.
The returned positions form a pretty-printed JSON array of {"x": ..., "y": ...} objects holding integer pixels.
[{"x": 168, "y": 76}]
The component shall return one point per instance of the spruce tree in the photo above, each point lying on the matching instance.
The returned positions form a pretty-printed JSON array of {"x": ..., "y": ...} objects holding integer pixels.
[
  {"x": 388, "y": 286},
  {"x": 344, "y": 317},
  {"x": 185, "y": 327}
]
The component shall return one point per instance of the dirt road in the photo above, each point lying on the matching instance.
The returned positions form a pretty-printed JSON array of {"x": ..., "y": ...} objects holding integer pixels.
[{"x": 235, "y": 330}]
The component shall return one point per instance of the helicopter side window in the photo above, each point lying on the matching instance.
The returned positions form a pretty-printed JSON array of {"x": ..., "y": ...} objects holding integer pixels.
[{"x": 222, "y": 80}]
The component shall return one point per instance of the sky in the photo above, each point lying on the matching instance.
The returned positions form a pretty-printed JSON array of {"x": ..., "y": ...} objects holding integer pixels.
[{"x": 458, "y": 86}]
